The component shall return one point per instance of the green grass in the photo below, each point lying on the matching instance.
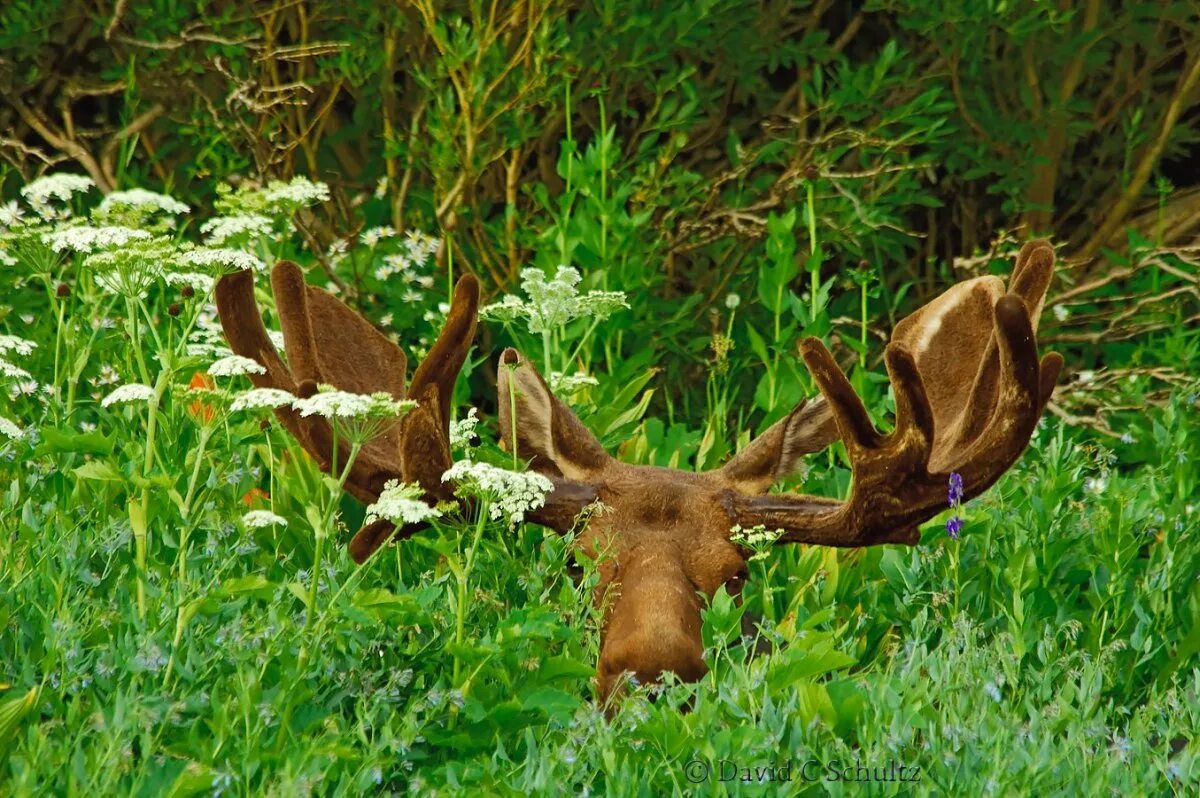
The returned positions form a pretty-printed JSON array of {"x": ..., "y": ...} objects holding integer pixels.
[{"x": 1052, "y": 650}]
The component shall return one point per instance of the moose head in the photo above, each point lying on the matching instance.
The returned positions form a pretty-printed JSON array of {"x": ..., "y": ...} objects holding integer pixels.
[{"x": 968, "y": 388}]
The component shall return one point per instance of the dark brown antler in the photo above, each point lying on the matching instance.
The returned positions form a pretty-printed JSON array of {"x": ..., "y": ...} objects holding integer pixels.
[
  {"x": 969, "y": 390},
  {"x": 328, "y": 343}
]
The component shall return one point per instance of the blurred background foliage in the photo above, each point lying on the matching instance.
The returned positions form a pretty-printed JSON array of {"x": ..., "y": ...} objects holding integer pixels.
[{"x": 648, "y": 143}]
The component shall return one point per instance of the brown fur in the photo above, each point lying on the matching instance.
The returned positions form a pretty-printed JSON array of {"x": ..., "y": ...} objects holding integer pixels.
[{"x": 969, "y": 389}]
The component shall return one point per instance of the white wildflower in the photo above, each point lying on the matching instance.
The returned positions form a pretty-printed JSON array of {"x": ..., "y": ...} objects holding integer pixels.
[
  {"x": 553, "y": 303},
  {"x": 92, "y": 239},
  {"x": 10, "y": 214},
  {"x": 299, "y": 193},
  {"x": 1096, "y": 485},
  {"x": 401, "y": 504},
  {"x": 1086, "y": 376},
  {"x": 462, "y": 432},
  {"x": 222, "y": 260},
  {"x": 203, "y": 283},
  {"x": 381, "y": 187},
  {"x": 235, "y": 366},
  {"x": 510, "y": 494},
  {"x": 6, "y": 259},
  {"x": 372, "y": 237},
  {"x": 332, "y": 403},
  {"x": 13, "y": 371},
  {"x": 11, "y": 343},
  {"x": 10, "y": 430},
  {"x": 758, "y": 539},
  {"x": 732, "y": 301},
  {"x": 223, "y": 228},
  {"x": 261, "y": 398},
  {"x": 567, "y": 383},
  {"x": 133, "y": 392},
  {"x": 60, "y": 186},
  {"x": 258, "y": 519},
  {"x": 143, "y": 200},
  {"x": 276, "y": 339},
  {"x": 1061, "y": 312},
  {"x": 420, "y": 246}
]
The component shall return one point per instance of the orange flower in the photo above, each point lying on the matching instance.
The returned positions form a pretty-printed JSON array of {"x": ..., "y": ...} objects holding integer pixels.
[
  {"x": 255, "y": 494},
  {"x": 199, "y": 409}
]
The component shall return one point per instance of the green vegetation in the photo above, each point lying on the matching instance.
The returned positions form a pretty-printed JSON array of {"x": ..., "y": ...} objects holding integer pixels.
[{"x": 670, "y": 196}]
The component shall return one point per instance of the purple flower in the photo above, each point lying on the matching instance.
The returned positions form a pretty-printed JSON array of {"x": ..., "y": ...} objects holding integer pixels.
[
  {"x": 954, "y": 526},
  {"x": 955, "y": 493}
]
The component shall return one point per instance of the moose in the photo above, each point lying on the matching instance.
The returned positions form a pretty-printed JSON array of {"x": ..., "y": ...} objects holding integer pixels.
[{"x": 965, "y": 374}]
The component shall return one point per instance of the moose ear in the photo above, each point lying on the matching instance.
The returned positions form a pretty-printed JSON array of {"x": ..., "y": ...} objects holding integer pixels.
[
  {"x": 776, "y": 453},
  {"x": 549, "y": 435}
]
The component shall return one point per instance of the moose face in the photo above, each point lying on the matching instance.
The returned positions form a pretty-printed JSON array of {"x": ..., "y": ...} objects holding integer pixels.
[
  {"x": 965, "y": 375},
  {"x": 662, "y": 537}
]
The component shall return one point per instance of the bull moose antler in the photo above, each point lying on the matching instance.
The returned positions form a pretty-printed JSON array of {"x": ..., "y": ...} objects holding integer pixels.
[
  {"x": 969, "y": 389},
  {"x": 328, "y": 343}
]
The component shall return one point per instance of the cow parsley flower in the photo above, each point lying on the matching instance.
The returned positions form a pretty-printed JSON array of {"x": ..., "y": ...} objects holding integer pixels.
[
  {"x": 401, "y": 504},
  {"x": 568, "y": 383},
  {"x": 242, "y": 226},
  {"x": 21, "y": 346},
  {"x": 10, "y": 214},
  {"x": 235, "y": 366},
  {"x": 331, "y": 403},
  {"x": 758, "y": 539},
  {"x": 141, "y": 199},
  {"x": 133, "y": 392},
  {"x": 13, "y": 371},
  {"x": 221, "y": 260},
  {"x": 258, "y": 519},
  {"x": 289, "y": 197},
  {"x": 60, "y": 186},
  {"x": 203, "y": 283},
  {"x": 92, "y": 239},
  {"x": 261, "y": 398},
  {"x": 10, "y": 430},
  {"x": 509, "y": 494},
  {"x": 462, "y": 432},
  {"x": 553, "y": 303},
  {"x": 373, "y": 236}
]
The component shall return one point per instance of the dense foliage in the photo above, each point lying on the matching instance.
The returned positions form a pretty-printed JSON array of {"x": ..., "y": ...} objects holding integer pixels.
[{"x": 662, "y": 199}]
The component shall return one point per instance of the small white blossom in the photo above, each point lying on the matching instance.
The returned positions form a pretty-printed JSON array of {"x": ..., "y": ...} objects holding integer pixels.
[
  {"x": 6, "y": 259},
  {"x": 401, "y": 504},
  {"x": 511, "y": 494},
  {"x": 299, "y": 193},
  {"x": 732, "y": 301},
  {"x": 10, "y": 214},
  {"x": 60, "y": 186},
  {"x": 1061, "y": 312},
  {"x": 133, "y": 392},
  {"x": 201, "y": 282},
  {"x": 257, "y": 519},
  {"x": 223, "y": 228},
  {"x": 381, "y": 187},
  {"x": 13, "y": 371},
  {"x": 235, "y": 366},
  {"x": 11, "y": 343},
  {"x": 372, "y": 237},
  {"x": 222, "y": 259},
  {"x": 93, "y": 239},
  {"x": 261, "y": 398},
  {"x": 462, "y": 432},
  {"x": 1096, "y": 485},
  {"x": 567, "y": 383},
  {"x": 553, "y": 303},
  {"x": 10, "y": 429},
  {"x": 142, "y": 199},
  {"x": 343, "y": 404}
]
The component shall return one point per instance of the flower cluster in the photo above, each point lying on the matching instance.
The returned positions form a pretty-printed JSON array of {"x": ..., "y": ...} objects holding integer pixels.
[
  {"x": 258, "y": 519},
  {"x": 133, "y": 392},
  {"x": 261, "y": 399},
  {"x": 462, "y": 432},
  {"x": 758, "y": 539},
  {"x": 569, "y": 383},
  {"x": 954, "y": 495},
  {"x": 147, "y": 202},
  {"x": 239, "y": 228},
  {"x": 553, "y": 303},
  {"x": 222, "y": 260},
  {"x": 509, "y": 494},
  {"x": 92, "y": 239},
  {"x": 331, "y": 403},
  {"x": 401, "y": 504},
  {"x": 60, "y": 186},
  {"x": 235, "y": 366}
]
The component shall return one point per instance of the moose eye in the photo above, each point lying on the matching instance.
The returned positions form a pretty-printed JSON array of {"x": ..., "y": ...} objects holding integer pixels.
[{"x": 735, "y": 583}]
